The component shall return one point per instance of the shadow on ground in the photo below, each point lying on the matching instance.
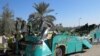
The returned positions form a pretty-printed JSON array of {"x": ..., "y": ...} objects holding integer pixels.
[{"x": 75, "y": 53}]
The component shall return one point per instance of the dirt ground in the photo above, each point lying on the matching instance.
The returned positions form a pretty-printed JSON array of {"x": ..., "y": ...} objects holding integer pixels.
[{"x": 94, "y": 51}]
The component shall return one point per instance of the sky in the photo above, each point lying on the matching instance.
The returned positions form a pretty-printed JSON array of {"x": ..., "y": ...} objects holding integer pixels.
[{"x": 70, "y": 13}]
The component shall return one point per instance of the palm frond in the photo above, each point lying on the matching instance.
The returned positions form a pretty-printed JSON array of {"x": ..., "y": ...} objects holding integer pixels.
[
  {"x": 41, "y": 7},
  {"x": 50, "y": 18},
  {"x": 34, "y": 16},
  {"x": 49, "y": 10}
]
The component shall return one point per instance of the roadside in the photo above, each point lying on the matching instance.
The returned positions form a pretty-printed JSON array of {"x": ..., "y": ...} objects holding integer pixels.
[{"x": 94, "y": 51}]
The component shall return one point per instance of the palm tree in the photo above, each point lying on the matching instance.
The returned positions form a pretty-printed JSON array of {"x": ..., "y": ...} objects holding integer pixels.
[{"x": 41, "y": 18}]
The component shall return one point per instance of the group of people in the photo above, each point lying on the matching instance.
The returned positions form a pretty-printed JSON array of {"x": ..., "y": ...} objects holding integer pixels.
[{"x": 14, "y": 42}]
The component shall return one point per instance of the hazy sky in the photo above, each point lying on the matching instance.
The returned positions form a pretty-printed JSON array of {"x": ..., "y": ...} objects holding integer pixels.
[{"x": 67, "y": 12}]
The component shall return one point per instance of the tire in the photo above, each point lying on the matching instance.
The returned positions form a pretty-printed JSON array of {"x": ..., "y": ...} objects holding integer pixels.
[{"x": 59, "y": 52}]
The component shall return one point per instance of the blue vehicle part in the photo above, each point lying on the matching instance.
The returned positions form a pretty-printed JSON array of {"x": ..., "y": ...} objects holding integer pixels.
[
  {"x": 33, "y": 49},
  {"x": 86, "y": 43},
  {"x": 71, "y": 43},
  {"x": 36, "y": 49},
  {"x": 45, "y": 50},
  {"x": 73, "y": 46}
]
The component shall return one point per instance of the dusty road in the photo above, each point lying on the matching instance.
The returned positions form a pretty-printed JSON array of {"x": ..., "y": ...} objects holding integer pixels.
[{"x": 94, "y": 51}]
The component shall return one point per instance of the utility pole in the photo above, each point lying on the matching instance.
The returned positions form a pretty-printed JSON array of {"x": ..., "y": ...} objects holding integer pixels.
[
  {"x": 81, "y": 37},
  {"x": 79, "y": 21}
]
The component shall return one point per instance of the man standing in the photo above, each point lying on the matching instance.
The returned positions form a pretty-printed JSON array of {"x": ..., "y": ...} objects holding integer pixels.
[{"x": 5, "y": 44}]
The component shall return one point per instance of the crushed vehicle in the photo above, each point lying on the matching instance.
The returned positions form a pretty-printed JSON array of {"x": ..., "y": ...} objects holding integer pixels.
[{"x": 54, "y": 45}]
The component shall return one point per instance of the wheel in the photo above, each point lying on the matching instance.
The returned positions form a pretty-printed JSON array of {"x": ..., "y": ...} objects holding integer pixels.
[{"x": 59, "y": 52}]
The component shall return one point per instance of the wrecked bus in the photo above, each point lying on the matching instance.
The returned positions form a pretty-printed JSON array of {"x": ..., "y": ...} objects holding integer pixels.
[{"x": 57, "y": 45}]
